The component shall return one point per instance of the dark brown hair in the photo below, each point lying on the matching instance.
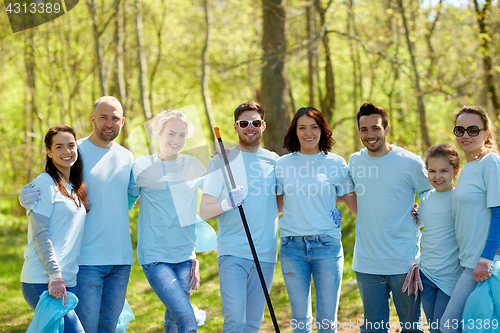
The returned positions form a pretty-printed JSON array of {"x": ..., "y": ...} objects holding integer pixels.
[
  {"x": 368, "y": 109},
  {"x": 76, "y": 174},
  {"x": 291, "y": 141},
  {"x": 445, "y": 151},
  {"x": 249, "y": 106},
  {"x": 490, "y": 145}
]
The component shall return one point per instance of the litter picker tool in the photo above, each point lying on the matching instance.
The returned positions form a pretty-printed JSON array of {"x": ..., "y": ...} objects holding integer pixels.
[{"x": 247, "y": 231}]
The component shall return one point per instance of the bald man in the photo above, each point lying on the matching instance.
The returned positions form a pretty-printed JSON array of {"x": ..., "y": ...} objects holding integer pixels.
[{"x": 106, "y": 252}]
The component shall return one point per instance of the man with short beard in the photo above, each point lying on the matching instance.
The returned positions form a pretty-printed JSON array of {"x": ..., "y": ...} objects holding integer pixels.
[
  {"x": 386, "y": 178},
  {"x": 106, "y": 254}
]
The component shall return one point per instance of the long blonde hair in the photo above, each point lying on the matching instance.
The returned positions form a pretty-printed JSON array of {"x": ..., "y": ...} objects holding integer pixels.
[{"x": 490, "y": 145}]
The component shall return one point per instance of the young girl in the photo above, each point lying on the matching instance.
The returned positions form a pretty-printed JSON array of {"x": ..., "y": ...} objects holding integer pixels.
[
  {"x": 56, "y": 225},
  {"x": 312, "y": 178},
  {"x": 439, "y": 263},
  {"x": 168, "y": 184}
]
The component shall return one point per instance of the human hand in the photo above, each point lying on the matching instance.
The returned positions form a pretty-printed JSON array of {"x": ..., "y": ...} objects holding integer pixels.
[
  {"x": 57, "y": 289},
  {"x": 483, "y": 270},
  {"x": 414, "y": 213},
  {"x": 29, "y": 195},
  {"x": 412, "y": 283},
  {"x": 233, "y": 200},
  {"x": 218, "y": 152},
  {"x": 194, "y": 283}
]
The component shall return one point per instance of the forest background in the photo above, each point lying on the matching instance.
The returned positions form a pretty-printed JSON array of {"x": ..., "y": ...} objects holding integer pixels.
[{"x": 421, "y": 60}]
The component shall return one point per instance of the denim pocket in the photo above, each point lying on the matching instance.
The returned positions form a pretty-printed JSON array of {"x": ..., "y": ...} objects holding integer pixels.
[
  {"x": 329, "y": 241},
  {"x": 221, "y": 259},
  {"x": 147, "y": 267},
  {"x": 284, "y": 241}
]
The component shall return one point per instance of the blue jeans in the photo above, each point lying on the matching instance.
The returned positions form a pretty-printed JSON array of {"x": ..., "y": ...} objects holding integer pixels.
[
  {"x": 170, "y": 282},
  {"x": 319, "y": 255},
  {"x": 32, "y": 292},
  {"x": 101, "y": 292},
  {"x": 376, "y": 292},
  {"x": 451, "y": 322},
  {"x": 243, "y": 301},
  {"x": 434, "y": 301}
]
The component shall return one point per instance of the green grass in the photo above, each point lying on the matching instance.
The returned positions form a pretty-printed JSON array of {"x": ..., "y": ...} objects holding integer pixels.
[{"x": 15, "y": 315}]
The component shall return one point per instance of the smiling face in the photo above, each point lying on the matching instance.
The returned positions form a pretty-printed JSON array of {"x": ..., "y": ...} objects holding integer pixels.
[
  {"x": 373, "y": 134},
  {"x": 471, "y": 146},
  {"x": 63, "y": 151},
  {"x": 309, "y": 134},
  {"x": 108, "y": 121},
  {"x": 440, "y": 172},
  {"x": 249, "y": 138},
  {"x": 172, "y": 138}
]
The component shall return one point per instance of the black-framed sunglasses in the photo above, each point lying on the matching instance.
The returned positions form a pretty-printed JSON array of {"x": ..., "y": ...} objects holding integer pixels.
[
  {"x": 473, "y": 131},
  {"x": 256, "y": 123}
]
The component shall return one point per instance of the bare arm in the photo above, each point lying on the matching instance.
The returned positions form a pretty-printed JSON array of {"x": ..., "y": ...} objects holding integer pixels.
[
  {"x": 210, "y": 207},
  {"x": 350, "y": 200},
  {"x": 279, "y": 200}
]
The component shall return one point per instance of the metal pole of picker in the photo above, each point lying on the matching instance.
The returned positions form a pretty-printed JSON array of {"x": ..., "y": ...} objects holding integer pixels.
[{"x": 247, "y": 231}]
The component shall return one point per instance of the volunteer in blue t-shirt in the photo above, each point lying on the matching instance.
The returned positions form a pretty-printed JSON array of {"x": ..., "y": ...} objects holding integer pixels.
[
  {"x": 476, "y": 209},
  {"x": 243, "y": 301},
  {"x": 386, "y": 178},
  {"x": 168, "y": 184},
  {"x": 56, "y": 225},
  {"x": 106, "y": 254},
  {"x": 312, "y": 179}
]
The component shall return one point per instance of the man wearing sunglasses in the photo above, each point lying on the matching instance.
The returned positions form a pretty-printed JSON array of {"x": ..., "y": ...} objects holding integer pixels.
[
  {"x": 387, "y": 239},
  {"x": 243, "y": 301}
]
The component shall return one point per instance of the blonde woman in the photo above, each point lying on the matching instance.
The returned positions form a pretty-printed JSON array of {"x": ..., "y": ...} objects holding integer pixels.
[{"x": 168, "y": 184}]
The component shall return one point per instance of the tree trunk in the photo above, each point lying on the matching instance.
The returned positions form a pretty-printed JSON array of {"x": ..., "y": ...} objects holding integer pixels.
[
  {"x": 328, "y": 104},
  {"x": 206, "y": 70},
  {"x": 311, "y": 52},
  {"x": 484, "y": 29},
  {"x": 426, "y": 140},
  {"x": 120, "y": 73},
  {"x": 275, "y": 92},
  {"x": 30, "y": 106},
  {"x": 141, "y": 58},
  {"x": 98, "y": 52}
]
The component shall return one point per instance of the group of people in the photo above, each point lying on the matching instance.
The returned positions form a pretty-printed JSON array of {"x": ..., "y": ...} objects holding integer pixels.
[{"x": 79, "y": 238}]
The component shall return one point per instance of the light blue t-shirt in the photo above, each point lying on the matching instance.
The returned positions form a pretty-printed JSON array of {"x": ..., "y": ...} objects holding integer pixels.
[
  {"x": 167, "y": 215},
  {"x": 106, "y": 236},
  {"x": 311, "y": 184},
  {"x": 66, "y": 225},
  {"x": 255, "y": 172},
  {"x": 478, "y": 189},
  {"x": 387, "y": 237},
  {"x": 439, "y": 258}
]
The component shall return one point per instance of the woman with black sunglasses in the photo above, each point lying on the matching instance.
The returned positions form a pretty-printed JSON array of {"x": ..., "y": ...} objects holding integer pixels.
[
  {"x": 476, "y": 209},
  {"x": 312, "y": 178}
]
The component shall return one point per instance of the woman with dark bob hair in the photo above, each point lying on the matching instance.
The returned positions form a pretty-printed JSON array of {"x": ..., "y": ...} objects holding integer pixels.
[
  {"x": 56, "y": 223},
  {"x": 312, "y": 179}
]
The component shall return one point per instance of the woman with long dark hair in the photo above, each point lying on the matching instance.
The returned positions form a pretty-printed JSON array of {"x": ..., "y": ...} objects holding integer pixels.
[
  {"x": 312, "y": 179},
  {"x": 56, "y": 225}
]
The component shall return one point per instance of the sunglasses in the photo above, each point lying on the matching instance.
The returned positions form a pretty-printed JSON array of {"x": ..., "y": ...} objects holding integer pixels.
[
  {"x": 256, "y": 123},
  {"x": 473, "y": 131}
]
